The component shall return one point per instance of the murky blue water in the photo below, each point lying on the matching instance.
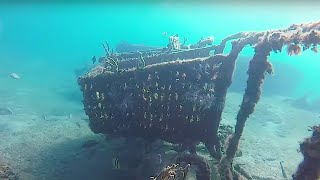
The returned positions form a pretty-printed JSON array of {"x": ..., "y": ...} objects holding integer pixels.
[{"x": 45, "y": 43}]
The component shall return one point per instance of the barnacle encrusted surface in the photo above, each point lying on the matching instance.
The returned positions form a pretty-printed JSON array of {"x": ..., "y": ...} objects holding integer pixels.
[
  {"x": 181, "y": 101},
  {"x": 169, "y": 100}
]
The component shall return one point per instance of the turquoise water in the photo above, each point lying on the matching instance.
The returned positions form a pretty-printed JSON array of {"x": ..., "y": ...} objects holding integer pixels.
[{"x": 45, "y": 43}]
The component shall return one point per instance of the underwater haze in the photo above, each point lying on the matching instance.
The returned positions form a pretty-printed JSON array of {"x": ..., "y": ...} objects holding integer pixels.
[{"x": 42, "y": 122}]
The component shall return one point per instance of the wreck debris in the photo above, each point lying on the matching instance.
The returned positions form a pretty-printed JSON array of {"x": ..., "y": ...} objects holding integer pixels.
[
  {"x": 203, "y": 43},
  {"x": 125, "y": 47},
  {"x": 180, "y": 168},
  {"x": 309, "y": 168},
  {"x": 173, "y": 51},
  {"x": 184, "y": 41},
  {"x": 141, "y": 62},
  {"x": 284, "y": 174},
  {"x": 263, "y": 44},
  {"x": 258, "y": 66},
  {"x": 173, "y": 172},
  {"x": 224, "y": 132},
  {"x": 174, "y": 42},
  {"x": 241, "y": 172},
  {"x": 111, "y": 64},
  {"x": 106, "y": 48},
  {"x": 160, "y": 90},
  {"x": 157, "y": 98},
  {"x": 203, "y": 170},
  {"x": 220, "y": 48}
]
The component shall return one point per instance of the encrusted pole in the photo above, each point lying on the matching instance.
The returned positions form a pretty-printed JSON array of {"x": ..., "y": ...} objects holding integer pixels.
[
  {"x": 305, "y": 35},
  {"x": 259, "y": 65},
  {"x": 221, "y": 88}
]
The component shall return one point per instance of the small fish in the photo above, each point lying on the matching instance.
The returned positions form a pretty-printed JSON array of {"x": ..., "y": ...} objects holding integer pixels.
[
  {"x": 115, "y": 163},
  {"x": 94, "y": 59},
  {"x": 164, "y": 33},
  {"x": 15, "y": 76}
]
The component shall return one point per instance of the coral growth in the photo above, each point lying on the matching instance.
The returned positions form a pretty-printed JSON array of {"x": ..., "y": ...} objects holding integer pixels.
[
  {"x": 224, "y": 132},
  {"x": 203, "y": 170},
  {"x": 204, "y": 98},
  {"x": 314, "y": 49},
  {"x": 160, "y": 112},
  {"x": 309, "y": 168},
  {"x": 180, "y": 168},
  {"x": 263, "y": 43},
  {"x": 293, "y": 49},
  {"x": 173, "y": 172}
]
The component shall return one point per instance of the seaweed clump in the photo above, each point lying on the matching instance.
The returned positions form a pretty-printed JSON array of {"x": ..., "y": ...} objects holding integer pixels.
[{"x": 309, "y": 168}]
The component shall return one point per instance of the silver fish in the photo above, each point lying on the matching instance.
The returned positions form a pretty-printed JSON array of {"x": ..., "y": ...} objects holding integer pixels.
[{"x": 15, "y": 76}]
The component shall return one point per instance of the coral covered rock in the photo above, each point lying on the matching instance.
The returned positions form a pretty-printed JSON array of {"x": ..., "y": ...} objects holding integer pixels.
[{"x": 309, "y": 168}]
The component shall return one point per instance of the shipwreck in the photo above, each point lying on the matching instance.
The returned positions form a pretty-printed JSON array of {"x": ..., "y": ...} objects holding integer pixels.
[{"x": 177, "y": 94}]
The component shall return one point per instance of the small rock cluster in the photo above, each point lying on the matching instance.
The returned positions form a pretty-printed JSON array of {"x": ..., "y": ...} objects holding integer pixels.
[{"x": 6, "y": 173}]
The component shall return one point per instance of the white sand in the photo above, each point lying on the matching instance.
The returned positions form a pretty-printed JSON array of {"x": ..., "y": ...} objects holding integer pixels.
[
  {"x": 272, "y": 134},
  {"x": 48, "y": 146}
]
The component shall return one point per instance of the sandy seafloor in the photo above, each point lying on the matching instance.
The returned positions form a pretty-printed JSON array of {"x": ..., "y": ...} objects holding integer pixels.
[{"x": 40, "y": 144}]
